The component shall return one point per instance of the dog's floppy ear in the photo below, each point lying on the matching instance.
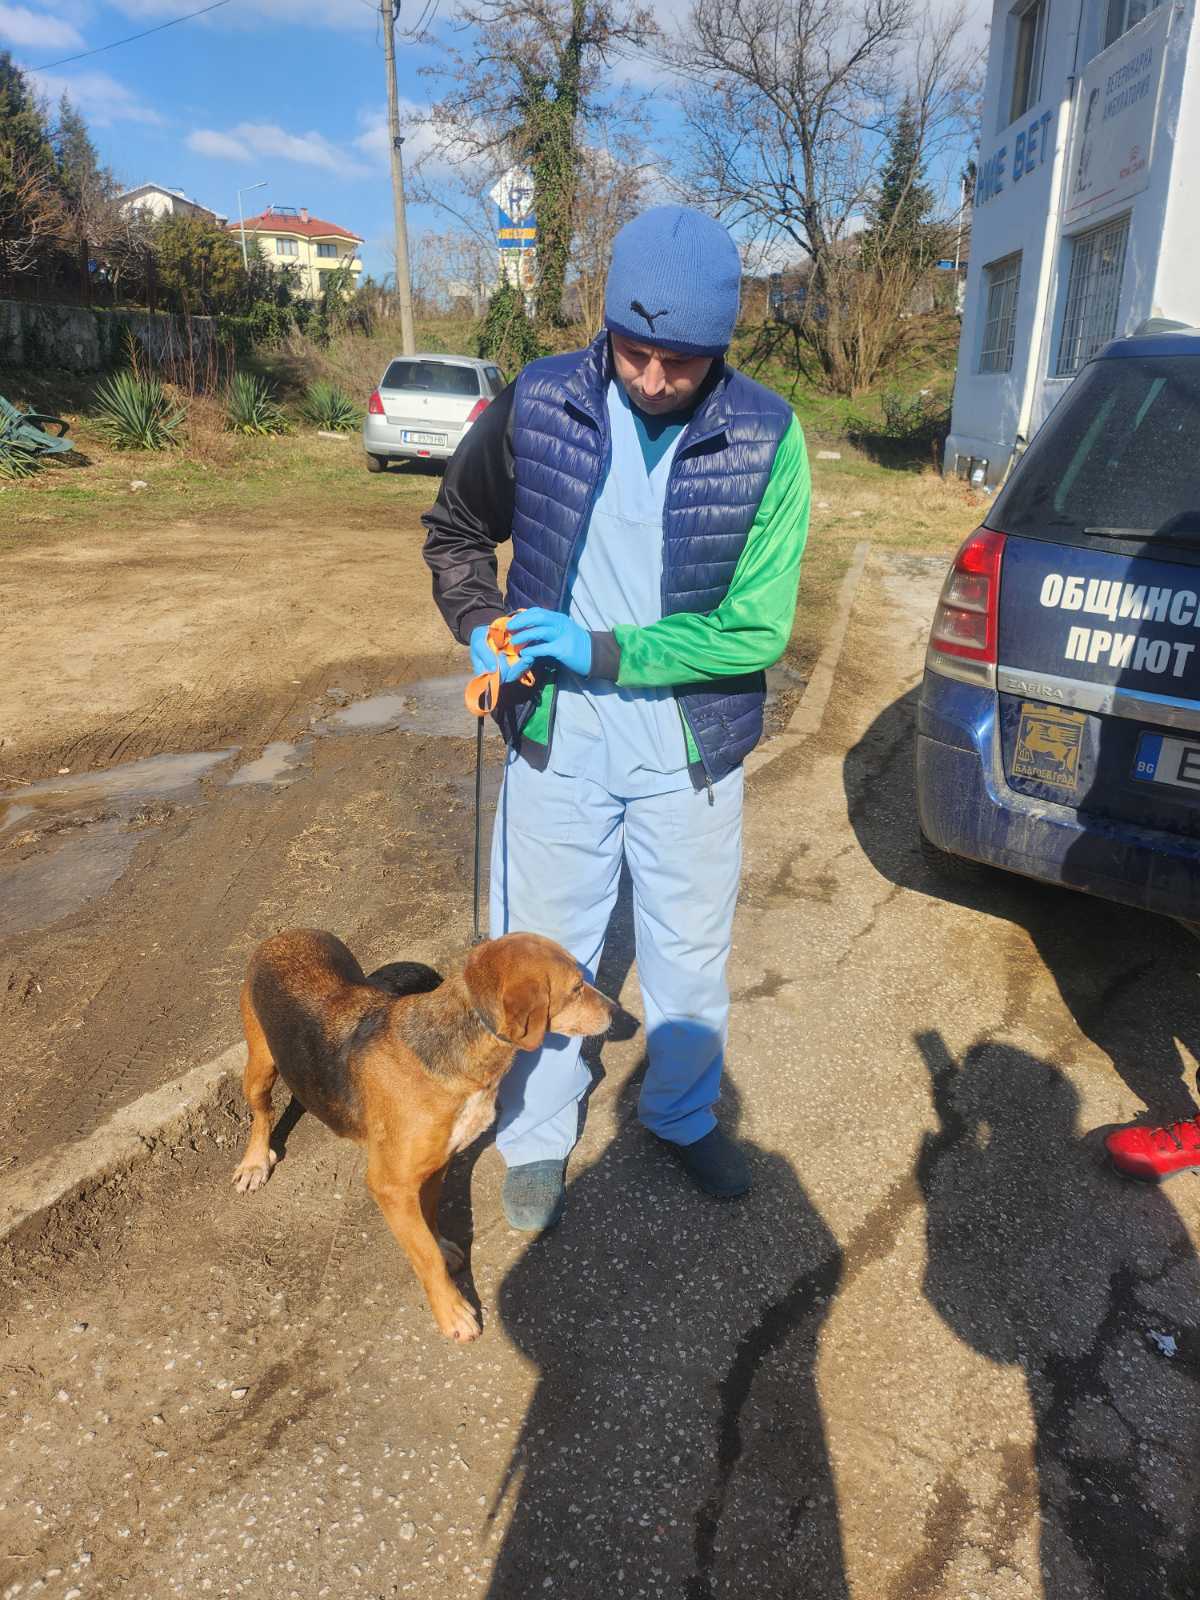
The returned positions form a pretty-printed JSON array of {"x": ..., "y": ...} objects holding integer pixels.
[
  {"x": 525, "y": 1009},
  {"x": 512, "y": 994}
]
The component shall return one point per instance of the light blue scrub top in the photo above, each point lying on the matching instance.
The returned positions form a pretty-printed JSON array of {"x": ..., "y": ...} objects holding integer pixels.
[{"x": 631, "y": 741}]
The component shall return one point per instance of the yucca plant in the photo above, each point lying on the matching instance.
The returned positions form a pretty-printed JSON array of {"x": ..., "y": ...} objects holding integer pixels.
[
  {"x": 330, "y": 408},
  {"x": 250, "y": 406},
  {"x": 19, "y": 456},
  {"x": 136, "y": 413}
]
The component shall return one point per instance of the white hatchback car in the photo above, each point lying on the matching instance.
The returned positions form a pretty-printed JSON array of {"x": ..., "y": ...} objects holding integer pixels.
[{"x": 424, "y": 405}]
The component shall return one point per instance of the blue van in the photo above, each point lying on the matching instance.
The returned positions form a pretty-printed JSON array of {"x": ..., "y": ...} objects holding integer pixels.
[{"x": 1058, "y": 730}]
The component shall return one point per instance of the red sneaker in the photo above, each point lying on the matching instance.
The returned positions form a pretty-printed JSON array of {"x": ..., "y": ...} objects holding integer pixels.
[{"x": 1155, "y": 1153}]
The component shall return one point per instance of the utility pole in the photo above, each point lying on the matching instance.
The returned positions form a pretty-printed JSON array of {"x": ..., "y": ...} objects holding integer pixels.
[{"x": 387, "y": 11}]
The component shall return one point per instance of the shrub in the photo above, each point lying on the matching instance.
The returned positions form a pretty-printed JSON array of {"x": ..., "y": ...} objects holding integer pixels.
[
  {"x": 19, "y": 458},
  {"x": 330, "y": 408},
  {"x": 914, "y": 423},
  {"x": 136, "y": 413},
  {"x": 250, "y": 406},
  {"x": 507, "y": 336}
]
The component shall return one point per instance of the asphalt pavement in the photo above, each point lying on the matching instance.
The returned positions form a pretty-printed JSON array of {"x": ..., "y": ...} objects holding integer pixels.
[{"x": 939, "y": 1353}]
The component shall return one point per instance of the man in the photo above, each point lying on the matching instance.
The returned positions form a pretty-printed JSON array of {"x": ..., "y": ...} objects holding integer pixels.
[{"x": 657, "y": 501}]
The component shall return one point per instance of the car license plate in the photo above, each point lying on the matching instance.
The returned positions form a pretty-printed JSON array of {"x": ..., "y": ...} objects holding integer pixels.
[
  {"x": 409, "y": 437},
  {"x": 1163, "y": 760},
  {"x": 1048, "y": 745}
]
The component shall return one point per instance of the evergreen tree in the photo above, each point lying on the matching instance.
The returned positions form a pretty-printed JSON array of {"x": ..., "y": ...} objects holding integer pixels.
[
  {"x": 84, "y": 181},
  {"x": 899, "y": 217}
]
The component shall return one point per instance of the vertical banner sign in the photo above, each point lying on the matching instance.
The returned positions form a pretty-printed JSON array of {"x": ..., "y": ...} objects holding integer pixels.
[
  {"x": 1116, "y": 107},
  {"x": 516, "y": 229}
]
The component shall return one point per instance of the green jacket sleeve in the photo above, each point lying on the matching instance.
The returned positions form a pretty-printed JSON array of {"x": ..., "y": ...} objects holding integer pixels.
[{"x": 750, "y": 628}]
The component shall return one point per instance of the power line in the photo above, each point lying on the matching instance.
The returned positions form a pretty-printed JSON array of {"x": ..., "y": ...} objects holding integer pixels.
[{"x": 100, "y": 49}]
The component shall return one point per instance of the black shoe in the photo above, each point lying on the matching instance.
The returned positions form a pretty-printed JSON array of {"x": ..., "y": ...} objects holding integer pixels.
[
  {"x": 534, "y": 1195},
  {"x": 714, "y": 1163}
]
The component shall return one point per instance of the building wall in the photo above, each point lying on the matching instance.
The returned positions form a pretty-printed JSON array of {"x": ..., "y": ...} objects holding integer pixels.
[
  {"x": 159, "y": 203},
  {"x": 306, "y": 258},
  {"x": 1038, "y": 203}
]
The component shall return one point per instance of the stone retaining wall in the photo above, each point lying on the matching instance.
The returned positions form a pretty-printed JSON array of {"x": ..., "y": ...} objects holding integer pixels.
[{"x": 85, "y": 339}]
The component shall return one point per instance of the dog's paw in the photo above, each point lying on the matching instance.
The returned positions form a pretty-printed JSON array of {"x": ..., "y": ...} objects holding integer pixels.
[
  {"x": 251, "y": 1175},
  {"x": 457, "y": 1321},
  {"x": 451, "y": 1255}
]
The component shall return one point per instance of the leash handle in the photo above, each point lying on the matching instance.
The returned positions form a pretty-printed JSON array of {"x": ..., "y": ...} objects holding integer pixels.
[{"x": 482, "y": 693}]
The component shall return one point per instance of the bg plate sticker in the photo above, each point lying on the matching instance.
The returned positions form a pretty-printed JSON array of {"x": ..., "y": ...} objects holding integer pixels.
[{"x": 1048, "y": 745}]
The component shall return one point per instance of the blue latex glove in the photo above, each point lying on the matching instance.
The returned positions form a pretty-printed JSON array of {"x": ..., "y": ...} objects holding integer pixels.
[
  {"x": 552, "y": 633},
  {"x": 483, "y": 657}
]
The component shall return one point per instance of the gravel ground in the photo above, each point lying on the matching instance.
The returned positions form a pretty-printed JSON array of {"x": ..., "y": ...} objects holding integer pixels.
[{"x": 924, "y": 1360}]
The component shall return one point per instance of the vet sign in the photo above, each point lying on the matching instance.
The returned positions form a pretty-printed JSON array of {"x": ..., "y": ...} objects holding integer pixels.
[
  {"x": 1115, "y": 115},
  {"x": 516, "y": 228},
  {"x": 1019, "y": 157}
]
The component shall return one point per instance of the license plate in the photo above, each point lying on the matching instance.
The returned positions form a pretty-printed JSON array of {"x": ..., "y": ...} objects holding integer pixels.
[
  {"x": 1173, "y": 761},
  {"x": 1048, "y": 745},
  {"x": 409, "y": 437}
]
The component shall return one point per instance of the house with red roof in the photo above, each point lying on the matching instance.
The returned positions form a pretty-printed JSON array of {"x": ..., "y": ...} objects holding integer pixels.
[{"x": 290, "y": 237}]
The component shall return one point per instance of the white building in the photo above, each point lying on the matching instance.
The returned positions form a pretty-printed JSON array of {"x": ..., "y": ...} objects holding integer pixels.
[
  {"x": 1085, "y": 221},
  {"x": 160, "y": 201}
]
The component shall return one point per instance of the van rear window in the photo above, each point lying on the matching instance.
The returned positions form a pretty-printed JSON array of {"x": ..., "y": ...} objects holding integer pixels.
[
  {"x": 432, "y": 377},
  {"x": 1116, "y": 460}
]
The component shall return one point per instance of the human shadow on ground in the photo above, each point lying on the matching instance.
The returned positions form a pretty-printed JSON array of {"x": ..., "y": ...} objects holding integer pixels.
[
  {"x": 1041, "y": 1258},
  {"x": 674, "y": 1445},
  {"x": 1129, "y": 978}
]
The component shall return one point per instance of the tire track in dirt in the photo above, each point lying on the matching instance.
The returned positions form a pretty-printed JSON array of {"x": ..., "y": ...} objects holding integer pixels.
[{"x": 179, "y": 926}]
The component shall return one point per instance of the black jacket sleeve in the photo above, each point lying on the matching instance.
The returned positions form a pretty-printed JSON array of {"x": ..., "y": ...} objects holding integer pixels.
[{"x": 473, "y": 514}]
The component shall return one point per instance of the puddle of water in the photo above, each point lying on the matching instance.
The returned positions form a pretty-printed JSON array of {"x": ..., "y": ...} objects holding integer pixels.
[
  {"x": 430, "y": 705},
  {"x": 85, "y": 838},
  {"x": 120, "y": 791},
  {"x": 39, "y": 891},
  {"x": 279, "y": 764}
]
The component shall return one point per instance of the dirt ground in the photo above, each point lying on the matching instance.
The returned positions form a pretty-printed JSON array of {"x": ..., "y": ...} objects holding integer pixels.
[{"x": 940, "y": 1353}]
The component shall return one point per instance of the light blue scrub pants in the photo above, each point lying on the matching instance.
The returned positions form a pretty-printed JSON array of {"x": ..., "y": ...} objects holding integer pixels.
[{"x": 556, "y": 866}]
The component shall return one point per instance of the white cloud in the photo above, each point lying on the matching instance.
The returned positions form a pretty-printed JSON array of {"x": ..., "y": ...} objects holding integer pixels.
[
  {"x": 340, "y": 14},
  {"x": 99, "y": 96},
  {"x": 43, "y": 33},
  {"x": 208, "y": 142},
  {"x": 261, "y": 139}
]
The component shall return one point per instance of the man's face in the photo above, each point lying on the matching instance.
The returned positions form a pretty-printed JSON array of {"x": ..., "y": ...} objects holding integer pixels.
[{"x": 656, "y": 380}]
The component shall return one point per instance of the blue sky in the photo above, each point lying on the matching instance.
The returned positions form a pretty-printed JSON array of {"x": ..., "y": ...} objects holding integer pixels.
[
  {"x": 293, "y": 93},
  {"x": 245, "y": 93}
]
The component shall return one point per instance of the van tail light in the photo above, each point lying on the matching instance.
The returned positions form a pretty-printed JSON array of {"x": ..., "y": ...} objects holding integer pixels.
[
  {"x": 375, "y": 404},
  {"x": 962, "y": 641},
  {"x": 476, "y": 411}
]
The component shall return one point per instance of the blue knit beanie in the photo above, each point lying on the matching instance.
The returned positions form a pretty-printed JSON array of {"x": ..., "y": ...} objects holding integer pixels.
[{"x": 674, "y": 282}]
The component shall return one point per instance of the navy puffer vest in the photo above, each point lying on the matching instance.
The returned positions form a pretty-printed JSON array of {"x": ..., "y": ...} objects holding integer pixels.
[{"x": 720, "y": 472}]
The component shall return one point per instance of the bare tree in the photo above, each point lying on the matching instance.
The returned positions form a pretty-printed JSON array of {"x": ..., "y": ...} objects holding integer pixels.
[
  {"x": 452, "y": 267},
  {"x": 33, "y": 214},
  {"x": 612, "y": 188},
  {"x": 788, "y": 104},
  {"x": 523, "y": 92}
]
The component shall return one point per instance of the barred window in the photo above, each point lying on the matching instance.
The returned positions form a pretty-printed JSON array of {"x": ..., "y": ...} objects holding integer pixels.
[
  {"x": 1093, "y": 294},
  {"x": 1003, "y": 280}
]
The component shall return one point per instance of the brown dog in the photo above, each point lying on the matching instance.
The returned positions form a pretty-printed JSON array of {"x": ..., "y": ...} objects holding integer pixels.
[{"x": 413, "y": 1077}]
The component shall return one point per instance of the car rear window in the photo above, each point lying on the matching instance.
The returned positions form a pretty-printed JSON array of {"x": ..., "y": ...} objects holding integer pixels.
[
  {"x": 432, "y": 377},
  {"x": 1116, "y": 460}
]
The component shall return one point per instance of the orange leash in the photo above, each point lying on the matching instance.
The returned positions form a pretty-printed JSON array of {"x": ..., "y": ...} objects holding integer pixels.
[{"x": 482, "y": 694}]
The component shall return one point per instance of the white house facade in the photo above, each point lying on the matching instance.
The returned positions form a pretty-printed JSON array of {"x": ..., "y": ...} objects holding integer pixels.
[
  {"x": 159, "y": 201},
  {"x": 1087, "y": 207}
]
